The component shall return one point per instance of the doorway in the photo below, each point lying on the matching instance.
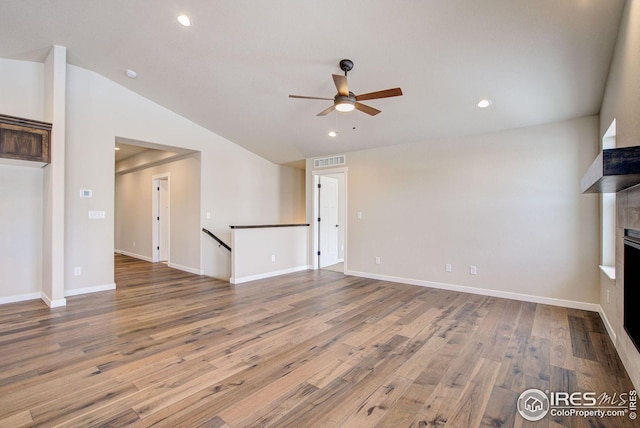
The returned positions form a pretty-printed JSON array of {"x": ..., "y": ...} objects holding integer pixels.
[
  {"x": 330, "y": 226},
  {"x": 160, "y": 221}
]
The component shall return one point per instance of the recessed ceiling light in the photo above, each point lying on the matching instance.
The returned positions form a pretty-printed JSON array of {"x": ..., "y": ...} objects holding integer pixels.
[
  {"x": 117, "y": 148},
  {"x": 484, "y": 103},
  {"x": 131, "y": 74},
  {"x": 332, "y": 133},
  {"x": 184, "y": 20}
]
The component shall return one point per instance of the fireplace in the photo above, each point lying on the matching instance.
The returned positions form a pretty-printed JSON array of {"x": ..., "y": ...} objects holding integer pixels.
[{"x": 632, "y": 285}]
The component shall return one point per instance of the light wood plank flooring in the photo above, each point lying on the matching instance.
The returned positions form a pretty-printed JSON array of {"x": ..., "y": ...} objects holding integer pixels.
[{"x": 316, "y": 348}]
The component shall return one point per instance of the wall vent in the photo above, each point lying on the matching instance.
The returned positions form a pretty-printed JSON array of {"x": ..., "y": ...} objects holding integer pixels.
[{"x": 330, "y": 161}]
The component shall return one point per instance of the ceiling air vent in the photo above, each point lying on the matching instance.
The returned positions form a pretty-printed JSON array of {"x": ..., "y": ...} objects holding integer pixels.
[{"x": 330, "y": 161}]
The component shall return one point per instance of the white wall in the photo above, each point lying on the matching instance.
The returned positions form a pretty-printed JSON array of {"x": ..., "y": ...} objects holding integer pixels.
[
  {"x": 20, "y": 232},
  {"x": 21, "y": 187},
  {"x": 53, "y": 239},
  {"x": 507, "y": 202},
  {"x": 292, "y": 195},
  {"x": 268, "y": 251},
  {"x": 22, "y": 89},
  {"x": 622, "y": 102},
  {"x": 238, "y": 187},
  {"x": 133, "y": 212}
]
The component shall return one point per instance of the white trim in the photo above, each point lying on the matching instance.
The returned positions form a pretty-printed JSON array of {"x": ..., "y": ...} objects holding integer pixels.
[
  {"x": 134, "y": 255},
  {"x": 607, "y": 325},
  {"x": 87, "y": 290},
  {"x": 330, "y": 171},
  {"x": 610, "y": 271},
  {"x": 268, "y": 274},
  {"x": 53, "y": 303},
  {"x": 19, "y": 298},
  {"x": 186, "y": 268},
  {"x": 594, "y": 307}
]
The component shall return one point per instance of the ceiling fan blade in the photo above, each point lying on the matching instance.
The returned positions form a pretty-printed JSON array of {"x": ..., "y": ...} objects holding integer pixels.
[
  {"x": 366, "y": 109},
  {"x": 326, "y": 111},
  {"x": 341, "y": 84},
  {"x": 395, "y": 92},
  {"x": 310, "y": 98}
]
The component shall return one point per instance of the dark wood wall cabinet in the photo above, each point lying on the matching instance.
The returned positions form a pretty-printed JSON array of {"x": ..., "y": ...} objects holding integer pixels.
[{"x": 25, "y": 139}]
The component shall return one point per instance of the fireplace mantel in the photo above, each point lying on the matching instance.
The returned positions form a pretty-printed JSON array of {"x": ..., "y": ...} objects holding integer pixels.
[
  {"x": 612, "y": 171},
  {"x": 24, "y": 140}
]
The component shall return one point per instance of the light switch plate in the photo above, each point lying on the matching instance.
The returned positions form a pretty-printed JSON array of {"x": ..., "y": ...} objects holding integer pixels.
[{"x": 97, "y": 215}]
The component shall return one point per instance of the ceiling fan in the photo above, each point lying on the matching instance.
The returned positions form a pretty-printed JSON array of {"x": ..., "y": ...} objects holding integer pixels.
[{"x": 346, "y": 100}]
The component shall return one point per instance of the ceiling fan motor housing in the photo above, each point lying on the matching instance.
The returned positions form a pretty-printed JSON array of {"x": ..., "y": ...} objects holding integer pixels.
[{"x": 341, "y": 98}]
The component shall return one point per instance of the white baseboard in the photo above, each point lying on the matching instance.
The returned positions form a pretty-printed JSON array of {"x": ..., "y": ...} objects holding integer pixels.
[
  {"x": 134, "y": 255},
  {"x": 58, "y": 302},
  {"x": 19, "y": 298},
  {"x": 86, "y": 290},
  {"x": 594, "y": 307},
  {"x": 53, "y": 303},
  {"x": 607, "y": 325},
  {"x": 240, "y": 280},
  {"x": 186, "y": 268}
]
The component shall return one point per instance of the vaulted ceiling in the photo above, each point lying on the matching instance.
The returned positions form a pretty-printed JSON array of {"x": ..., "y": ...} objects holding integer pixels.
[{"x": 232, "y": 70}]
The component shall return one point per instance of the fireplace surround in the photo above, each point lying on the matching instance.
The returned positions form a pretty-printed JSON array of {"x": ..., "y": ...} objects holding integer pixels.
[{"x": 632, "y": 285}]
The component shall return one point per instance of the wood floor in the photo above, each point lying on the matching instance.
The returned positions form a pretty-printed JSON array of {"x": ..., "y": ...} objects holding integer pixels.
[{"x": 308, "y": 349}]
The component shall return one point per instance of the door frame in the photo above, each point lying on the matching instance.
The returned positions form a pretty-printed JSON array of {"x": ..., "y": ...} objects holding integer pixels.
[
  {"x": 315, "y": 229},
  {"x": 155, "y": 211}
]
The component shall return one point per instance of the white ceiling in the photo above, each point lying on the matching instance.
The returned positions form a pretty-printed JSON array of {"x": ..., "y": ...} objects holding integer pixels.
[{"x": 539, "y": 61}]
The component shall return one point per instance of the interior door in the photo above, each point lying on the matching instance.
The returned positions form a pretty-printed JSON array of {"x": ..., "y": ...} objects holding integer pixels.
[
  {"x": 329, "y": 226},
  {"x": 163, "y": 220},
  {"x": 160, "y": 206}
]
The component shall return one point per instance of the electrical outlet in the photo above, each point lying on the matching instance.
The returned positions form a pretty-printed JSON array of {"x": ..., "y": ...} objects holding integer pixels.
[
  {"x": 473, "y": 270},
  {"x": 447, "y": 267},
  {"x": 273, "y": 257},
  {"x": 377, "y": 260},
  {"x": 77, "y": 271}
]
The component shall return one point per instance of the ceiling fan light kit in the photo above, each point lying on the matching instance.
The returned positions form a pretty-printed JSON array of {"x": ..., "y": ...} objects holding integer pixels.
[
  {"x": 345, "y": 100},
  {"x": 345, "y": 104}
]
